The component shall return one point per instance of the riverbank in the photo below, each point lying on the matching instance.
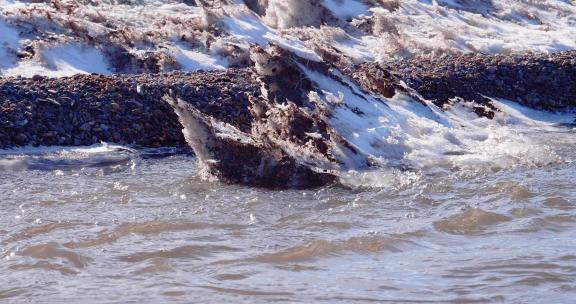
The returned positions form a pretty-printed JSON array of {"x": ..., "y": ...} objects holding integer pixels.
[{"x": 127, "y": 109}]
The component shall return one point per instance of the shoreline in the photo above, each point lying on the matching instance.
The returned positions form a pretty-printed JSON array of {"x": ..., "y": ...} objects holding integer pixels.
[{"x": 127, "y": 109}]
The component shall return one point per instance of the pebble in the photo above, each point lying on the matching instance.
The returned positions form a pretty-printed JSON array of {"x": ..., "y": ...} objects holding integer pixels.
[
  {"x": 38, "y": 78},
  {"x": 21, "y": 138},
  {"x": 115, "y": 107}
]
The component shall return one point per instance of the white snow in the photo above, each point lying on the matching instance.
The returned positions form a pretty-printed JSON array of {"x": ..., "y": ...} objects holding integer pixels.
[
  {"x": 345, "y": 9},
  {"x": 9, "y": 42},
  {"x": 5, "y": 4},
  {"x": 194, "y": 60},
  {"x": 253, "y": 30},
  {"x": 512, "y": 26},
  {"x": 354, "y": 48},
  {"x": 414, "y": 27},
  {"x": 519, "y": 115},
  {"x": 62, "y": 60}
]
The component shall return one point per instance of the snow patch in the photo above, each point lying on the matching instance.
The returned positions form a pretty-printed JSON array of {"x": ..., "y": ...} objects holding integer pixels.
[
  {"x": 193, "y": 60},
  {"x": 345, "y": 9},
  {"x": 252, "y": 30},
  {"x": 62, "y": 60},
  {"x": 9, "y": 42}
]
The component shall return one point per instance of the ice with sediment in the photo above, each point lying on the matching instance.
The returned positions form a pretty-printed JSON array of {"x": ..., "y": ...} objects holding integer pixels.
[
  {"x": 83, "y": 34},
  {"x": 403, "y": 28},
  {"x": 485, "y": 26},
  {"x": 399, "y": 132}
]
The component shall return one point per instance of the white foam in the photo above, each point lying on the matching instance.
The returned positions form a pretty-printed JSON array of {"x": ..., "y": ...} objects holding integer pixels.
[{"x": 41, "y": 150}]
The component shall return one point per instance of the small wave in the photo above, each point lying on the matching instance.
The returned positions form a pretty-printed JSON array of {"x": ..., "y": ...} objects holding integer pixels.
[
  {"x": 322, "y": 248},
  {"x": 184, "y": 252},
  {"x": 43, "y": 150},
  {"x": 102, "y": 155},
  {"x": 471, "y": 222},
  {"x": 53, "y": 250},
  {"x": 146, "y": 228}
]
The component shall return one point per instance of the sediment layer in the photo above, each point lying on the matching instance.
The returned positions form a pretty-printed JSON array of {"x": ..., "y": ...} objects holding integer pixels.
[{"x": 127, "y": 109}]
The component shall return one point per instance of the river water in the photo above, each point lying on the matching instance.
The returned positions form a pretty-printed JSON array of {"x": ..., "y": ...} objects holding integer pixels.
[
  {"x": 110, "y": 224},
  {"x": 482, "y": 211}
]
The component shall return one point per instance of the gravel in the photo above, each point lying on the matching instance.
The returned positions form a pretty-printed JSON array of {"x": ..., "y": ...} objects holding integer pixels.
[
  {"x": 540, "y": 81},
  {"x": 126, "y": 109}
]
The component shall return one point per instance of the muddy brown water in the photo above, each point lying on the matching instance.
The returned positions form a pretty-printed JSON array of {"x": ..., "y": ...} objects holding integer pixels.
[{"x": 115, "y": 225}]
